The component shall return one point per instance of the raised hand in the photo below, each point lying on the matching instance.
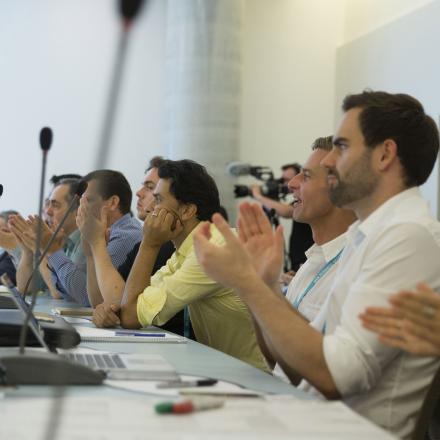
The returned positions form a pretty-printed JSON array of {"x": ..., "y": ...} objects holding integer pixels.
[
  {"x": 160, "y": 226},
  {"x": 412, "y": 323},
  {"x": 230, "y": 264},
  {"x": 7, "y": 239},
  {"x": 46, "y": 234},
  {"x": 93, "y": 228},
  {"x": 264, "y": 245},
  {"x": 23, "y": 232}
]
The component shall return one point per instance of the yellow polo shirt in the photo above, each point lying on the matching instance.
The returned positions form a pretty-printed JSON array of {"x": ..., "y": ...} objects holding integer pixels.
[{"x": 218, "y": 316}]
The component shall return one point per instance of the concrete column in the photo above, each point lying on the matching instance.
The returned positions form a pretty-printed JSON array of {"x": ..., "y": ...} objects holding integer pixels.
[{"x": 203, "y": 65}]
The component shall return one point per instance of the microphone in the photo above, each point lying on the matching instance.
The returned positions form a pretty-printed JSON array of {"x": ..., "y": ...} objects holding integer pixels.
[
  {"x": 1, "y": 189},
  {"x": 46, "y": 138},
  {"x": 237, "y": 168},
  {"x": 129, "y": 9},
  {"x": 82, "y": 186},
  {"x": 47, "y": 368}
]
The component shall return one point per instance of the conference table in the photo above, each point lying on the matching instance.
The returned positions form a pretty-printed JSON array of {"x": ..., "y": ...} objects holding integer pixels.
[{"x": 109, "y": 412}]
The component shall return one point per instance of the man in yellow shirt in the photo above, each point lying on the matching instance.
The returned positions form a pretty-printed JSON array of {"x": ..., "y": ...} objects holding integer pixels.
[{"x": 185, "y": 195}]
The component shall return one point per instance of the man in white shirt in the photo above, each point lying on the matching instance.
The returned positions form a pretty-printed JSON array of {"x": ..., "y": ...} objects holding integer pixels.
[
  {"x": 384, "y": 148},
  {"x": 309, "y": 288},
  {"x": 311, "y": 284}
]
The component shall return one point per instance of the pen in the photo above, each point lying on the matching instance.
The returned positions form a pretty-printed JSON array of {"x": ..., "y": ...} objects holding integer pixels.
[
  {"x": 189, "y": 406},
  {"x": 187, "y": 383},
  {"x": 151, "y": 335}
]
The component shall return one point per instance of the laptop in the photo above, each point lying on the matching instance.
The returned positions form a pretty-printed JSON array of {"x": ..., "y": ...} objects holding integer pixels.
[
  {"x": 115, "y": 366},
  {"x": 55, "y": 331}
]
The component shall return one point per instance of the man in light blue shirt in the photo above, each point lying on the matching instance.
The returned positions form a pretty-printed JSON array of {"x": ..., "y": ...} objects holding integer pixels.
[
  {"x": 105, "y": 209},
  {"x": 60, "y": 279}
]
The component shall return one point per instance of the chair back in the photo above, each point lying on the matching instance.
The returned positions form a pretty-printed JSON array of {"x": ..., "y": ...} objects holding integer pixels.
[{"x": 428, "y": 421}]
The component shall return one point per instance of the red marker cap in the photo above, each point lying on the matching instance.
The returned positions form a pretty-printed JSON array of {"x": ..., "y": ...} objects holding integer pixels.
[{"x": 183, "y": 407}]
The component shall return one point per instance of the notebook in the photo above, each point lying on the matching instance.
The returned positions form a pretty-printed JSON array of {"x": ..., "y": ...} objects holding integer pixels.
[
  {"x": 92, "y": 334},
  {"x": 69, "y": 311}
]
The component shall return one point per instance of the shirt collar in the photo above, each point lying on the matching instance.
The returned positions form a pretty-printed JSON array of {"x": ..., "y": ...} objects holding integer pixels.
[
  {"x": 75, "y": 236},
  {"x": 328, "y": 250},
  {"x": 122, "y": 221},
  {"x": 388, "y": 211},
  {"x": 187, "y": 244},
  {"x": 333, "y": 247}
]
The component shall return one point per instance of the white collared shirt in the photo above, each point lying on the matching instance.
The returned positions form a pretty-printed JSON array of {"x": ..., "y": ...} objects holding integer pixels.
[
  {"x": 317, "y": 257},
  {"x": 395, "y": 248}
]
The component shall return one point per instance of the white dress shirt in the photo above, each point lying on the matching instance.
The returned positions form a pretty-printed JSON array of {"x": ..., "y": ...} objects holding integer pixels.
[
  {"x": 318, "y": 256},
  {"x": 395, "y": 248}
]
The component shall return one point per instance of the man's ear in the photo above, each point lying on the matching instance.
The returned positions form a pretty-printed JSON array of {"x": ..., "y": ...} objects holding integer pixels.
[
  {"x": 113, "y": 203},
  {"x": 189, "y": 211},
  {"x": 387, "y": 154}
]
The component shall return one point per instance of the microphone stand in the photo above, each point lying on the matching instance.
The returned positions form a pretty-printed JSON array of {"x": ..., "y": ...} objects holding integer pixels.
[
  {"x": 73, "y": 203},
  {"x": 112, "y": 101},
  {"x": 23, "y": 332},
  {"x": 43, "y": 368},
  {"x": 128, "y": 9}
]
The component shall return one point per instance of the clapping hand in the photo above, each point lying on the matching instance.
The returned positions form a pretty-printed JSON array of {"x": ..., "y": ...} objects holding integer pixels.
[
  {"x": 412, "y": 323},
  {"x": 264, "y": 246}
]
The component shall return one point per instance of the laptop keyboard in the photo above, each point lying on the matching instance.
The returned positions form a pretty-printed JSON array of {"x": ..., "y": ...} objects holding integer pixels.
[{"x": 97, "y": 361}]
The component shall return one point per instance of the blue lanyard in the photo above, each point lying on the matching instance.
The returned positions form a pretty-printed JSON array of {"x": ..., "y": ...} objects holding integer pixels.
[{"x": 327, "y": 266}]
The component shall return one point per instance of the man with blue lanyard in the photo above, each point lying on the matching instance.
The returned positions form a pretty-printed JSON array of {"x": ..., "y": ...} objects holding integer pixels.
[
  {"x": 311, "y": 284},
  {"x": 384, "y": 148}
]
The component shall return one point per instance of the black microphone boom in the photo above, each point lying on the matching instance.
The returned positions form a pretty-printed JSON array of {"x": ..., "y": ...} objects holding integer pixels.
[
  {"x": 46, "y": 138},
  {"x": 128, "y": 10},
  {"x": 44, "y": 368}
]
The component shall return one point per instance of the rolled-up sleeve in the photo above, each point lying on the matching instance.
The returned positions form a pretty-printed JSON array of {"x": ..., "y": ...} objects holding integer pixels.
[
  {"x": 70, "y": 276},
  {"x": 355, "y": 357},
  {"x": 173, "y": 287}
]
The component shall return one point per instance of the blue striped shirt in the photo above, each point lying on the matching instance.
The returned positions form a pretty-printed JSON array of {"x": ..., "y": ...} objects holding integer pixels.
[{"x": 70, "y": 274}]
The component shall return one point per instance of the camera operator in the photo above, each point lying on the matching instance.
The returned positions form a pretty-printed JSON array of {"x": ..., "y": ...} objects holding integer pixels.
[{"x": 301, "y": 236}]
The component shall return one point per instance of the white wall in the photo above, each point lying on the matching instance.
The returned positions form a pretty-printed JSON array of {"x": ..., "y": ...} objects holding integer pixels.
[
  {"x": 56, "y": 57},
  {"x": 365, "y": 16},
  {"x": 288, "y": 77},
  {"x": 398, "y": 57}
]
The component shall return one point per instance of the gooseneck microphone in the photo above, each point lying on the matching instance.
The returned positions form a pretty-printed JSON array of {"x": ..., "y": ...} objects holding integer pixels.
[
  {"x": 128, "y": 10},
  {"x": 46, "y": 138},
  {"x": 82, "y": 186},
  {"x": 43, "y": 368}
]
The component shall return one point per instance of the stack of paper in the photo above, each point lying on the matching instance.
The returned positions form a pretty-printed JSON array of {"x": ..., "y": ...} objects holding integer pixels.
[
  {"x": 92, "y": 334},
  {"x": 91, "y": 417}
]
